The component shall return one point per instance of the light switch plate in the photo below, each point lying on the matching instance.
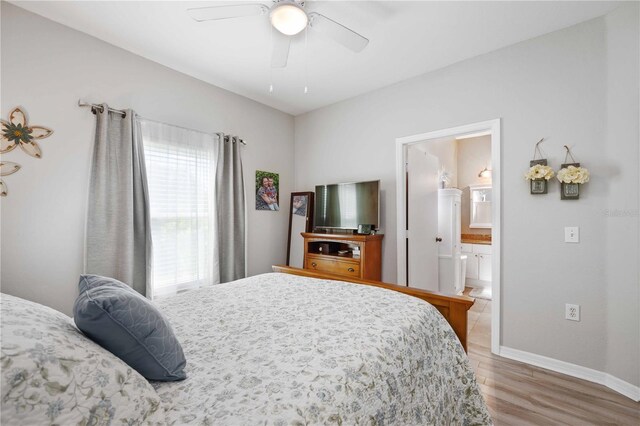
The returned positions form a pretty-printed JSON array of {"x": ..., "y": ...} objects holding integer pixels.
[{"x": 571, "y": 234}]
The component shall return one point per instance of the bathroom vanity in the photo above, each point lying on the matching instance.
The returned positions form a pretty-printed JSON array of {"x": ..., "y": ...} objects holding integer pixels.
[
  {"x": 477, "y": 247},
  {"x": 478, "y": 273}
]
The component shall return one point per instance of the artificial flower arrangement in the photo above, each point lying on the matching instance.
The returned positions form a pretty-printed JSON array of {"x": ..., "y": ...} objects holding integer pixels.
[
  {"x": 444, "y": 178},
  {"x": 539, "y": 171},
  {"x": 538, "y": 176},
  {"x": 571, "y": 176}
]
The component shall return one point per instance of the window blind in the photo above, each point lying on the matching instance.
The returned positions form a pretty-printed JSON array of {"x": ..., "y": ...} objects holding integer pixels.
[{"x": 180, "y": 172}]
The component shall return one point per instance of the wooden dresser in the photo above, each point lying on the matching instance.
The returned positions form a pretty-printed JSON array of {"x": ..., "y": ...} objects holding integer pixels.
[{"x": 322, "y": 253}]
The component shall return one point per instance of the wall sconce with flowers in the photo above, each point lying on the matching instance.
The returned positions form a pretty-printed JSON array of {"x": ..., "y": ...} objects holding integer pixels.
[
  {"x": 539, "y": 172},
  {"x": 571, "y": 176}
]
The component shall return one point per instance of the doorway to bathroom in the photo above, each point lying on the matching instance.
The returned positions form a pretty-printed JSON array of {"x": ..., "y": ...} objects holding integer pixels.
[{"x": 448, "y": 186}]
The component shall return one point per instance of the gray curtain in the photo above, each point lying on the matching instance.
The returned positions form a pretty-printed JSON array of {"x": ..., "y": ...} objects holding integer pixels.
[
  {"x": 230, "y": 209},
  {"x": 118, "y": 238}
]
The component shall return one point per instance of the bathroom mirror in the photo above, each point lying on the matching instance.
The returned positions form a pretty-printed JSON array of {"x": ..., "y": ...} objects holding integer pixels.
[
  {"x": 480, "y": 216},
  {"x": 300, "y": 220}
]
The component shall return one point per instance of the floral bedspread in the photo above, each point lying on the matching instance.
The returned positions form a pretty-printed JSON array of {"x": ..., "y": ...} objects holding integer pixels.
[
  {"x": 53, "y": 375},
  {"x": 281, "y": 349}
]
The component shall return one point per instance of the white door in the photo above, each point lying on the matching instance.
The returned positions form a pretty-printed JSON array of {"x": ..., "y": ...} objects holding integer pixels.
[{"x": 422, "y": 219}]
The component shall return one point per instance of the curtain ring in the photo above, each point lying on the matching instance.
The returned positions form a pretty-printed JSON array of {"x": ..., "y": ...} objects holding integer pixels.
[{"x": 96, "y": 108}]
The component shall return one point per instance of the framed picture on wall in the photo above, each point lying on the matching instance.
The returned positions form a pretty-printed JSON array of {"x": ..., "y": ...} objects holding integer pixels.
[{"x": 267, "y": 194}]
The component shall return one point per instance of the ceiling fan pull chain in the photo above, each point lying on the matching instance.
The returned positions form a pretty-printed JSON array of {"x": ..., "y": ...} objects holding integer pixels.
[
  {"x": 271, "y": 67},
  {"x": 306, "y": 61}
]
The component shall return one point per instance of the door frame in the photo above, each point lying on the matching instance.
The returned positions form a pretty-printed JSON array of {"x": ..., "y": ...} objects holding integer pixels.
[{"x": 493, "y": 128}]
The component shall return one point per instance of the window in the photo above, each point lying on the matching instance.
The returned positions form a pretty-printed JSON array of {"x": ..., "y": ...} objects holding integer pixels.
[{"x": 180, "y": 173}]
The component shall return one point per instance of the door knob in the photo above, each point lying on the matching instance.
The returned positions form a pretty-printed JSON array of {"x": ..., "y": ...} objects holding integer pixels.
[{"x": 438, "y": 240}]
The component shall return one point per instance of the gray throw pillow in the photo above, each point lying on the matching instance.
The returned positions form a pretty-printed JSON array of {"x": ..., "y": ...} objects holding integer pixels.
[{"x": 128, "y": 325}]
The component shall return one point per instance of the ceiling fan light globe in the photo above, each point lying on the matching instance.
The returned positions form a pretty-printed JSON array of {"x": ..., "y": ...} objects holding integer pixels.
[{"x": 289, "y": 18}]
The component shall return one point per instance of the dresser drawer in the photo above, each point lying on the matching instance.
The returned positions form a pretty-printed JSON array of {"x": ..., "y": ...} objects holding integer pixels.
[{"x": 337, "y": 267}]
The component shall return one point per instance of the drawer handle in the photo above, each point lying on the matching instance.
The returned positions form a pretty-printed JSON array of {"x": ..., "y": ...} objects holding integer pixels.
[
  {"x": 314, "y": 264},
  {"x": 438, "y": 240},
  {"x": 351, "y": 270}
]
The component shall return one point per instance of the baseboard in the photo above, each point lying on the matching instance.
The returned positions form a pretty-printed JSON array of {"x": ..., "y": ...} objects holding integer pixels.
[
  {"x": 573, "y": 370},
  {"x": 620, "y": 386}
]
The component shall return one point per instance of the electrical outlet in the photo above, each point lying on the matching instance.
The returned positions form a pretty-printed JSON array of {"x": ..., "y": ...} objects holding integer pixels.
[{"x": 572, "y": 312}]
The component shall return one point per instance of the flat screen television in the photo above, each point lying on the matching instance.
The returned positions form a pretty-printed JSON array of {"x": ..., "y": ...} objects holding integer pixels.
[{"x": 347, "y": 205}]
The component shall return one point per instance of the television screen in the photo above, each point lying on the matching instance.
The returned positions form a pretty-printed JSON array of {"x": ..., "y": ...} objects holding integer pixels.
[{"x": 347, "y": 205}]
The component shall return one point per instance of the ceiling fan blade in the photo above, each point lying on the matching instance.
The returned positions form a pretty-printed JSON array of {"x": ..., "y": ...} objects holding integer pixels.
[
  {"x": 338, "y": 32},
  {"x": 280, "y": 53},
  {"x": 214, "y": 13}
]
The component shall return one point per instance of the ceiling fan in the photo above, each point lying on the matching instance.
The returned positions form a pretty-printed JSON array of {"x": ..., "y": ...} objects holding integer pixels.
[{"x": 289, "y": 17}]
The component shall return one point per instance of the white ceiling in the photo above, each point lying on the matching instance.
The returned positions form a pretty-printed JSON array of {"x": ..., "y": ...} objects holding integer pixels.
[{"x": 406, "y": 39}]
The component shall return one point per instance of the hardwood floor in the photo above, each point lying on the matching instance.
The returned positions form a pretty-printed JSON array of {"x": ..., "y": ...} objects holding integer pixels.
[{"x": 521, "y": 394}]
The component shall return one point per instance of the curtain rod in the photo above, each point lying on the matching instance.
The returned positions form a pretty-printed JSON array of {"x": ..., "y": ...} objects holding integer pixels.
[
  {"x": 100, "y": 107},
  {"x": 124, "y": 113},
  {"x": 192, "y": 130}
]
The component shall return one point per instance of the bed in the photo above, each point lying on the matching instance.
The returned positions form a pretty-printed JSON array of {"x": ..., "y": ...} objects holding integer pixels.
[
  {"x": 299, "y": 350},
  {"x": 292, "y": 350}
]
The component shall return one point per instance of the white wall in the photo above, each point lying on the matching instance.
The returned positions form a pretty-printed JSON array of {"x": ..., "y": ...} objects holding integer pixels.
[
  {"x": 563, "y": 86},
  {"x": 446, "y": 150},
  {"x": 622, "y": 178},
  {"x": 46, "y": 67},
  {"x": 474, "y": 154}
]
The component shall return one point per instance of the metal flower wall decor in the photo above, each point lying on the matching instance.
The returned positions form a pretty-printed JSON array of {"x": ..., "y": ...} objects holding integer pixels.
[
  {"x": 18, "y": 132},
  {"x": 7, "y": 168}
]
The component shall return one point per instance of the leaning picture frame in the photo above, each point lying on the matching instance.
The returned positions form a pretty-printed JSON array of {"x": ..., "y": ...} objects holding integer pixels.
[{"x": 300, "y": 220}]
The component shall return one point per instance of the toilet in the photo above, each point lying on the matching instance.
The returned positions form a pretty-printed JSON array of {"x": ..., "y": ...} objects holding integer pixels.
[{"x": 463, "y": 271}]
